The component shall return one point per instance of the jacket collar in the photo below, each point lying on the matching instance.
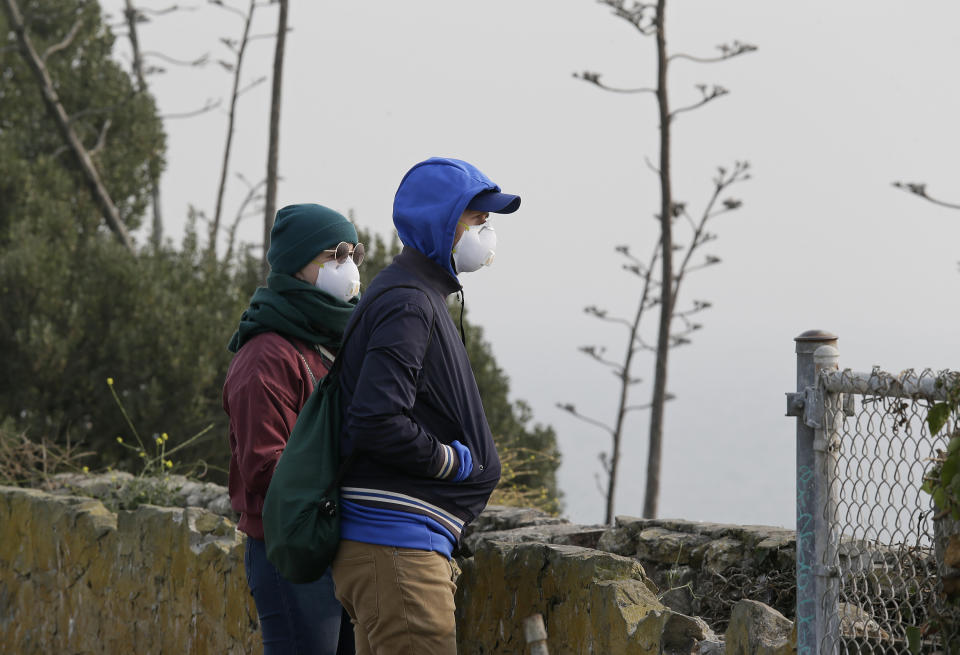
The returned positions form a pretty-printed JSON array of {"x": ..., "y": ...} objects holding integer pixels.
[{"x": 428, "y": 270}]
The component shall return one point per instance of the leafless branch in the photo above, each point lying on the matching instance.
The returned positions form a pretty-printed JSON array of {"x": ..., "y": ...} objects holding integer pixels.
[
  {"x": 596, "y": 352},
  {"x": 168, "y": 10},
  {"x": 602, "y": 314},
  {"x": 269, "y": 35},
  {"x": 604, "y": 462},
  {"x": 634, "y": 265},
  {"x": 687, "y": 329},
  {"x": 102, "y": 139},
  {"x": 920, "y": 189},
  {"x": 209, "y": 106},
  {"x": 226, "y": 7},
  {"x": 231, "y": 120},
  {"x": 632, "y": 408},
  {"x": 65, "y": 43},
  {"x": 650, "y": 165},
  {"x": 594, "y": 78},
  {"x": 640, "y": 344},
  {"x": 721, "y": 181},
  {"x": 255, "y": 83},
  {"x": 708, "y": 95},
  {"x": 710, "y": 260},
  {"x": 567, "y": 407},
  {"x": 727, "y": 51},
  {"x": 642, "y": 15},
  {"x": 624, "y": 378},
  {"x": 596, "y": 478},
  {"x": 253, "y": 195},
  {"x": 107, "y": 109},
  {"x": 202, "y": 60}
]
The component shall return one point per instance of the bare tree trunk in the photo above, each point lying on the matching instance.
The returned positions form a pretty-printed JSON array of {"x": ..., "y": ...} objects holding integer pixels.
[
  {"x": 625, "y": 383},
  {"x": 215, "y": 225},
  {"x": 650, "y": 19},
  {"x": 130, "y": 13},
  {"x": 652, "y": 493},
  {"x": 59, "y": 114},
  {"x": 270, "y": 204},
  {"x": 618, "y": 428}
]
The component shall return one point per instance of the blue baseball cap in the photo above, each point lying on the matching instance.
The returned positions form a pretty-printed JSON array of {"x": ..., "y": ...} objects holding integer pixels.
[{"x": 494, "y": 201}]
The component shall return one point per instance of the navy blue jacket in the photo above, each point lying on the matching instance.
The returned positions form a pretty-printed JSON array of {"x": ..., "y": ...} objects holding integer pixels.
[{"x": 407, "y": 392}]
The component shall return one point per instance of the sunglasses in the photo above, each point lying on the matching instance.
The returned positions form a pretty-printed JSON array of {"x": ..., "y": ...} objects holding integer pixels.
[{"x": 344, "y": 250}]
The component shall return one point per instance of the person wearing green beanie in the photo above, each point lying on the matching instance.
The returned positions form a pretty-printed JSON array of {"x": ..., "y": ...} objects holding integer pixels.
[{"x": 285, "y": 342}]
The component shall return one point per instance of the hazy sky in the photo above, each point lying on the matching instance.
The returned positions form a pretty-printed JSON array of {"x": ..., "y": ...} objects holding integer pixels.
[{"x": 840, "y": 100}]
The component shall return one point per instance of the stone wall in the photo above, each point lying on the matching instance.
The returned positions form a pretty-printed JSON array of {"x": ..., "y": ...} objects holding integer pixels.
[
  {"x": 700, "y": 569},
  {"x": 591, "y": 602},
  {"x": 76, "y": 578}
]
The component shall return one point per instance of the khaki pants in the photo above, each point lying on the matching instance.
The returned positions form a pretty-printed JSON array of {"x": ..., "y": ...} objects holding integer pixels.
[{"x": 400, "y": 600}]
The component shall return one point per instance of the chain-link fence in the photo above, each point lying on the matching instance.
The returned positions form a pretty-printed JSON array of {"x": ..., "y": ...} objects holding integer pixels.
[
  {"x": 888, "y": 590},
  {"x": 870, "y": 545}
]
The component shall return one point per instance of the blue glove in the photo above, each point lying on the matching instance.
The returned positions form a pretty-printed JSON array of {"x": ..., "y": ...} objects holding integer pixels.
[{"x": 466, "y": 462}]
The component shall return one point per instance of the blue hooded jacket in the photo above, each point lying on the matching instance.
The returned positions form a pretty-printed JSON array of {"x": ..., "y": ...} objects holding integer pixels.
[
  {"x": 431, "y": 198},
  {"x": 410, "y": 403}
]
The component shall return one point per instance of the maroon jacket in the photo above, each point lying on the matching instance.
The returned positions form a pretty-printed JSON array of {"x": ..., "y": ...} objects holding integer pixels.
[{"x": 266, "y": 387}]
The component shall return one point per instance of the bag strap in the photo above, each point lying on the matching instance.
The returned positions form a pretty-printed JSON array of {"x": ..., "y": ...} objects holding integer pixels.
[
  {"x": 313, "y": 378},
  {"x": 347, "y": 463}
]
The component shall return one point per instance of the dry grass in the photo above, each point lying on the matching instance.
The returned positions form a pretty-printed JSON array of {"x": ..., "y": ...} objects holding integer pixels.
[
  {"x": 517, "y": 464},
  {"x": 28, "y": 463}
]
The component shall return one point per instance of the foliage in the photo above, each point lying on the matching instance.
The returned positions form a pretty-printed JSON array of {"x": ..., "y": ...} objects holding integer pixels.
[
  {"x": 77, "y": 307},
  {"x": 943, "y": 479},
  {"x": 38, "y": 176},
  {"x": 157, "y": 323},
  {"x": 529, "y": 454}
]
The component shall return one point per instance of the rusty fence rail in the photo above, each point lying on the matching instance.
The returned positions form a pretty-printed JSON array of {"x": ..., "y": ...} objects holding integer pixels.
[{"x": 869, "y": 550}]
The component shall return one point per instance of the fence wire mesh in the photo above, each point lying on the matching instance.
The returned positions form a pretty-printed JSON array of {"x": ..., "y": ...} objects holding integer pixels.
[{"x": 885, "y": 552}]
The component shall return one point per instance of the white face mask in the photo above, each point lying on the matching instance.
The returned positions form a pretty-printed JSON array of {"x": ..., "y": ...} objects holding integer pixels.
[
  {"x": 342, "y": 281},
  {"x": 475, "y": 248}
]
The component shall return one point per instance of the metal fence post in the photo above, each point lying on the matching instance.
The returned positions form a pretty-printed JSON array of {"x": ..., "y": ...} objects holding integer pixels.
[
  {"x": 809, "y": 514},
  {"x": 826, "y": 535}
]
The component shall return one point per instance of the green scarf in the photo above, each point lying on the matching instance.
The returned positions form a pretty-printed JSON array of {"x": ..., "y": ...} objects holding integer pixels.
[{"x": 293, "y": 308}]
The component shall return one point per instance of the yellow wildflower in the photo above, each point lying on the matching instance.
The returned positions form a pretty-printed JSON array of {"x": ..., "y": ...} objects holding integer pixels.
[
  {"x": 169, "y": 464},
  {"x": 164, "y": 436},
  {"x": 110, "y": 381},
  {"x": 119, "y": 439},
  {"x": 86, "y": 469},
  {"x": 159, "y": 441},
  {"x": 142, "y": 454}
]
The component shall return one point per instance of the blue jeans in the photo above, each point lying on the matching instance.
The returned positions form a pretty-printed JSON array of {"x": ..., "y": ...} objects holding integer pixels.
[{"x": 295, "y": 619}]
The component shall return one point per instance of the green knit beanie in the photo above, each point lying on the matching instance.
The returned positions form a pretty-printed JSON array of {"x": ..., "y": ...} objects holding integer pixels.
[{"x": 301, "y": 232}]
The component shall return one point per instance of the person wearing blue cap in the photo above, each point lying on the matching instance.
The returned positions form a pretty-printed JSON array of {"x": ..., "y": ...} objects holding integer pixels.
[
  {"x": 286, "y": 341},
  {"x": 422, "y": 461}
]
